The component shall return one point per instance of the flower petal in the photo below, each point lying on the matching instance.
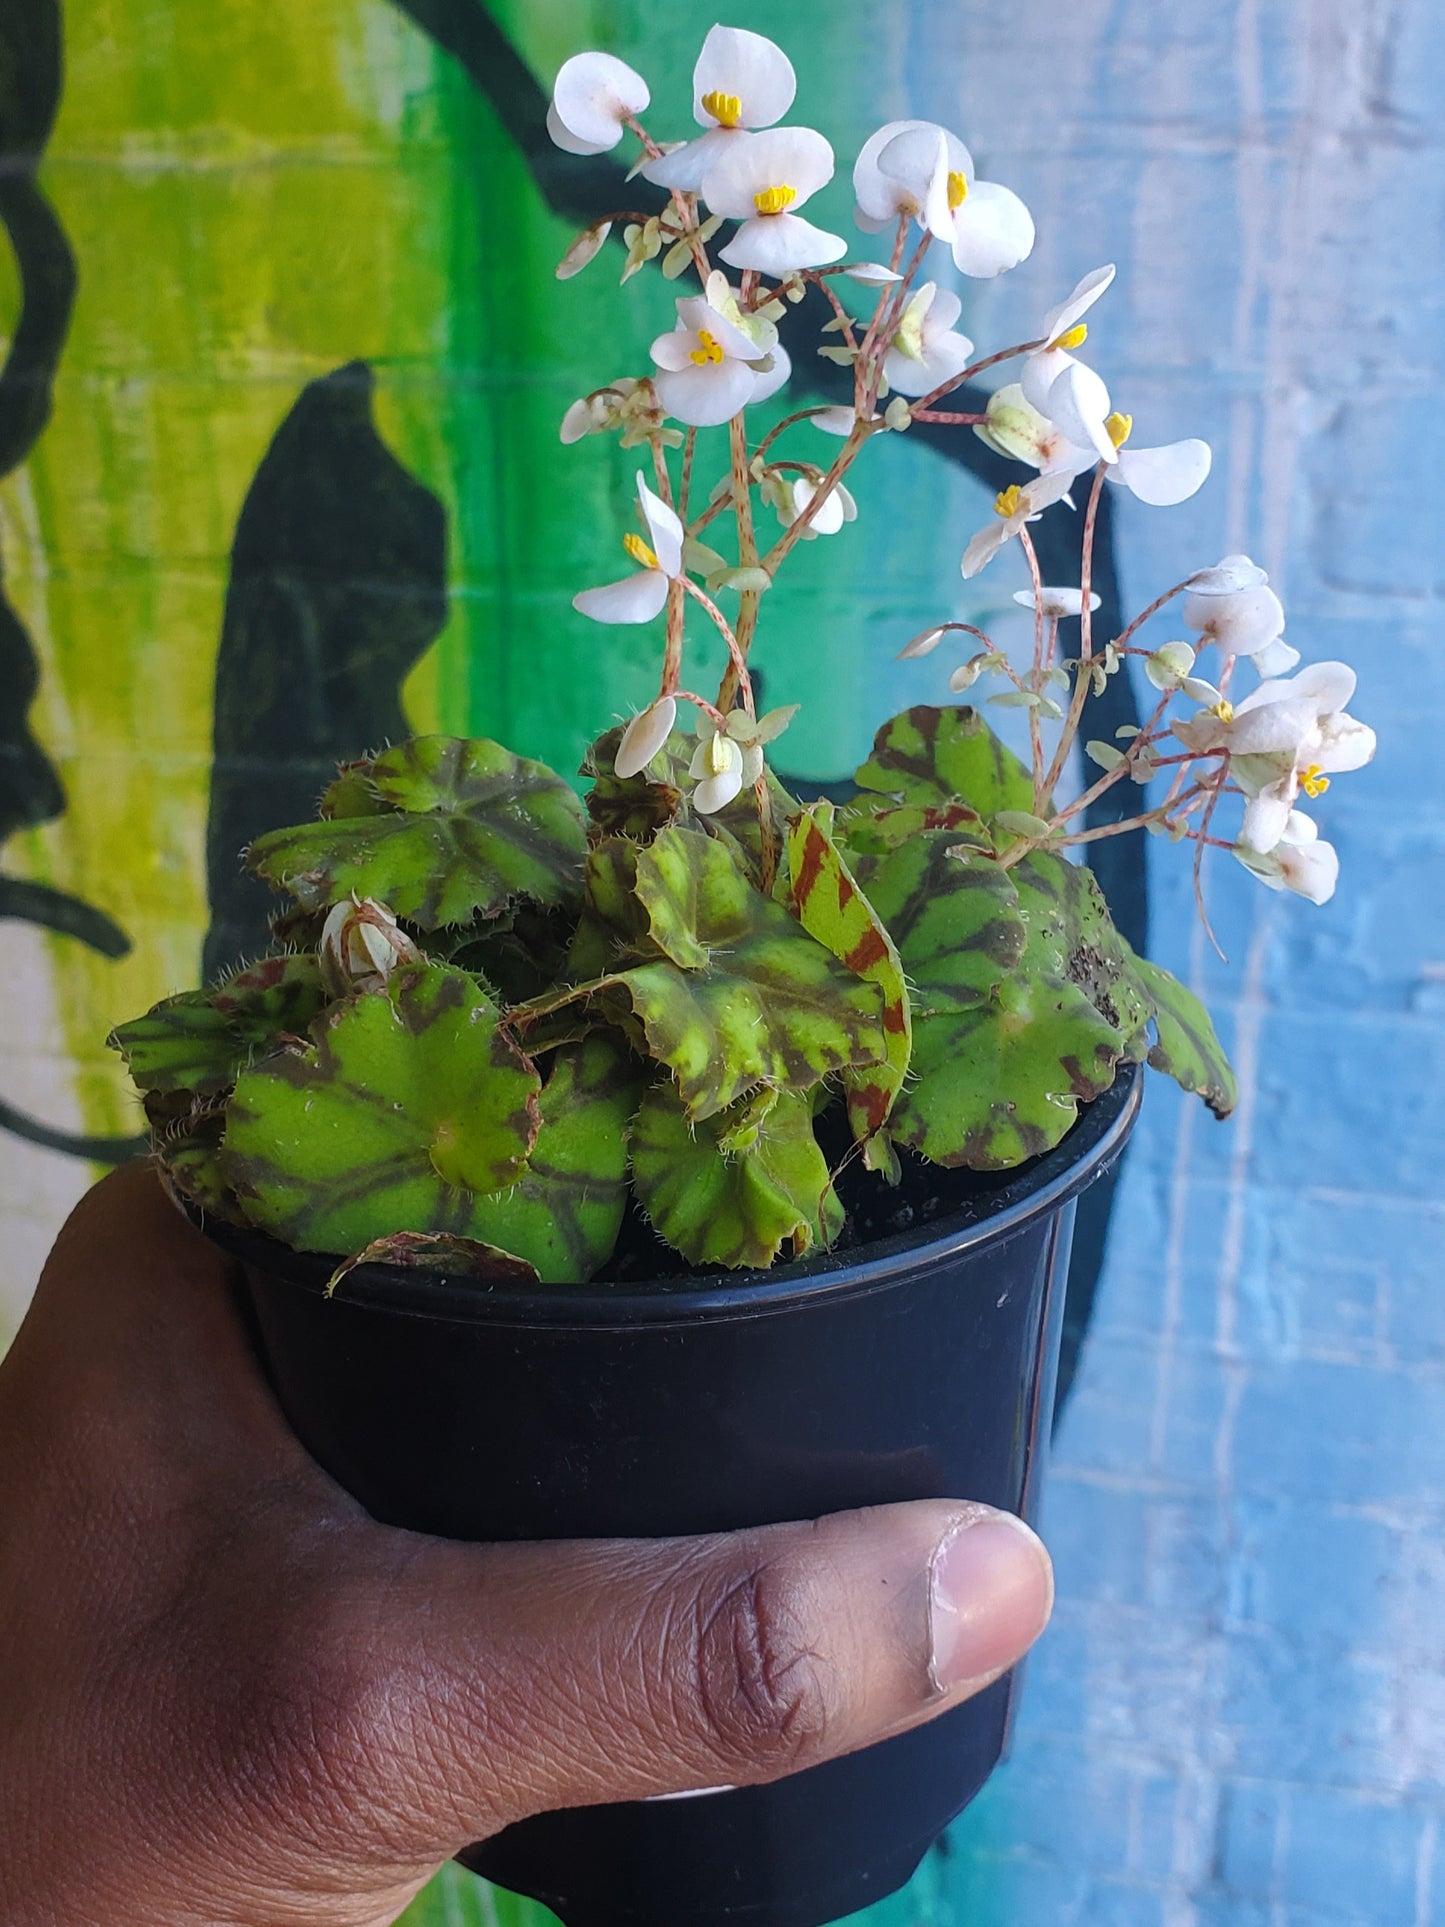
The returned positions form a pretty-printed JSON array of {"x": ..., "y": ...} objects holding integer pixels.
[
  {"x": 944, "y": 356},
  {"x": 880, "y": 198},
  {"x": 664, "y": 531},
  {"x": 1057, "y": 603},
  {"x": 767, "y": 381},
  {"x": 644, "y": 736},
  {"x": 687, "y": 167},
  {"x": 923, "y": 644},
  {"x": 1038, "y": 375},
  {"x": 919, "y": 160},
  {"x": 781, "y": 243},
  {"x": 1163, "y": 476},
  {"x": 1240, "y": 622},
  {"x": 1331, "y": 684},
  {"x": 755, "y": 71},
  {"x": 1344, "y": 744},
  {"x": 716, "y": 792},
  {"x": 1058, "y": 321},
  {"x": 593, "y": 94},
  {"x": 705, "y": 397},
  {"x": 1235, "y": 572},
  {"x": 1277, "y": 726},
  {"x": 1078, "y": 406},
  {"x": 871, "y": 274},
  {"x": 1266, "y": 815},
  {"x": 568, "y": 142},
  {"x": 1276, "y": 658},
  {"x": 794, "y": 157},
  {"x": 992, "y": 231},
  {"x": 638, "y": 598},
  {"x": 831, "y": 514},
  {"x": 985, "y": 546},
  {"x": 838, "y": 420}
]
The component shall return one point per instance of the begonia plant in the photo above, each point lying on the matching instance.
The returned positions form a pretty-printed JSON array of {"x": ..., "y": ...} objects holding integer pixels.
[{"x": 496, "y": 1010}]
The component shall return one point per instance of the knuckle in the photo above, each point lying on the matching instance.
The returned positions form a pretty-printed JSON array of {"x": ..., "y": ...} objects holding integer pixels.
[{"x": 766, "y": 1696}]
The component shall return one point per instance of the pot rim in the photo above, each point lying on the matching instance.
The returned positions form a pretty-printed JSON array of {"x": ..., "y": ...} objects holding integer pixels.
[{"x": 1051, "y": 1181}]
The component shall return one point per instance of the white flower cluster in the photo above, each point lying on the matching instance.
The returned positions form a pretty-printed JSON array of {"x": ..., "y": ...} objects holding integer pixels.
[{"x": 914, "y": 178}]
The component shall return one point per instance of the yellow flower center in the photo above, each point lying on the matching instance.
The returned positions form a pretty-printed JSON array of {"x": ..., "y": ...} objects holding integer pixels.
[
  {"x": 772, "y": 200},
  {"x": 1120, "y": 428},
  {"x": 726, "y": 109},
  {"x": 1075, "y": 338},
  {"x": 639, "y": 551},
  {"x": 719, "y": 755},
  {"x": 1008, "y": 501},
  {"x": 1224, "y": 710},
  {"x": 708, "y": 349},
  {"x": 1314, "y": 782},
  {"x": 957, "y": 190}
]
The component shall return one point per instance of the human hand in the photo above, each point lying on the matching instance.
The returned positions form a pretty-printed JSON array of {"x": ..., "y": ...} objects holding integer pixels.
[{"x": 228, "y": 1696}]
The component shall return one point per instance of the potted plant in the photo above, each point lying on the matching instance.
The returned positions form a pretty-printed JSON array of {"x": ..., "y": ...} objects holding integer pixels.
[{"x": 685, "y": 1156}]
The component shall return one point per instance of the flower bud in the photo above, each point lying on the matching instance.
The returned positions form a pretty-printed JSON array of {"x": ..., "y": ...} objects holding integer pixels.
[{"x": 361, "y": 946}]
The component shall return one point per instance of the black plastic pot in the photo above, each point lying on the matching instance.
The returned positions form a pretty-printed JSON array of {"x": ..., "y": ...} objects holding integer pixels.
[{"x": 918, "y": 1366}]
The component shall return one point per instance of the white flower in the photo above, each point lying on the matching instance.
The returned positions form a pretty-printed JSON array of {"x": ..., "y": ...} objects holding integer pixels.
[
  {"x": 1301, "y": 861},
  {"x": 585, "y": 248},
  {"x": 730, "y": 759},
  {"x": 871, "y": 274},
  {"x": 1242, "y": 621},
  {"x": 1013, "y": 507},
  {"x": 707, "y": 366},
  {"x": 1283, "y": 738},
  {"x": 1062, "y": 389},
  {"x": 361, "y": 945},
  {"x": 758, "y": 181},
  {"x": 626, "y": 404},
  {"x": 593, "y": 97},
  {"x": 768, "y": 381},
  {"x": 918, "y": 169},
  {"x": 1056, "y": 604},
  {"x": 741, "y": 81},
  {"x": 925, "y": 352},
  {"x": 644, "y": 736},
  {"x": 834, "y": 512},
  {"x": 640, "y": 597}
]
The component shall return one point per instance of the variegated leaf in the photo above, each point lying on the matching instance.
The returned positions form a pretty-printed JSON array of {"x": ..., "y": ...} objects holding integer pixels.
[
  {"x": 954, "y": 916},
  {"x": 833, "y": 909},
  {"x": 736, "y": 1188},
  {"x": 410, "y": 1106},
  {"x": 934, "y": 756},
  {"x": 1064, "y": 908},
  {"x": 198, "y": 1041},
  {"x": 742, "y": 994},
  {"x": 465, "y": 829},
  {"x": 1002, "y": 1081},
  {"x": 1187, "y": 1049}
]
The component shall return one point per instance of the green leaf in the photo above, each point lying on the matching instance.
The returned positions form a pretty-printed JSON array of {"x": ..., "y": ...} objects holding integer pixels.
[
  {"x": 742, "y": 994},
  {"x": 833, "y": 909},
  {"x": 1187, "y": 1049},
  {"x": 735, "y": 1188},
  {"x": 954, "y": 916},
  {"x": 930, "y": 756},
  {"x": 1002, "y": 1082},
  {"x": 1072, "y": 935},
  {"x": 198, "y": 1041},
  {"x": 466, "y": 829},
  {"x": 407, "y": 1109}
]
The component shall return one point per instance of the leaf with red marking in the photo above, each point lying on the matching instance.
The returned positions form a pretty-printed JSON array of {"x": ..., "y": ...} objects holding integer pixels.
[{"x": 833, "y": 909}]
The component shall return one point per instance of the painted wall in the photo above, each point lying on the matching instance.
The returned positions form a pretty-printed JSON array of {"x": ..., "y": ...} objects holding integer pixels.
[{"x": 288, "y": 298}]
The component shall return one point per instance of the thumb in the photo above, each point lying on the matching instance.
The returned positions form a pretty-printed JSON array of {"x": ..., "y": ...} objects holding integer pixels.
[{"x": 526, "y": 1677}]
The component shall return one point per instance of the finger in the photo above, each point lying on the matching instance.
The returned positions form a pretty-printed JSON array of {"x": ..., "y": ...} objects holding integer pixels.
[
  {"x": 134, "y": 1353},
  {"x": 526, "y": 1677}
]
